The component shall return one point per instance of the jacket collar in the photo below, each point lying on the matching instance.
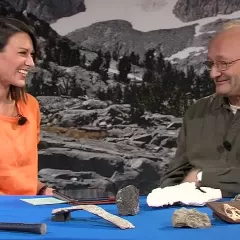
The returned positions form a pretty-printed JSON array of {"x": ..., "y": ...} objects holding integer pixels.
[{"x": 220, "y": 101}]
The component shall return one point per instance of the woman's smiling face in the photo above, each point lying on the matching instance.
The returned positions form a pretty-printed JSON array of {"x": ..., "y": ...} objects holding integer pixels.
[{"x": 16, "y": 60}]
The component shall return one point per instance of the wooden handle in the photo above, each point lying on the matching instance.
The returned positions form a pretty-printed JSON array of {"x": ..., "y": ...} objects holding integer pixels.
[{"x": 39, "y": 228}]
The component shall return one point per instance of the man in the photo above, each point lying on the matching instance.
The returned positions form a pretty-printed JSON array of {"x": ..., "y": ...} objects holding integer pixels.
[{"x": 208, "y": 150}]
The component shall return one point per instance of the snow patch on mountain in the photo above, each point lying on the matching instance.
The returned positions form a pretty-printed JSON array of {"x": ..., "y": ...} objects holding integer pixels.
[{"x": 186, "y": 52}]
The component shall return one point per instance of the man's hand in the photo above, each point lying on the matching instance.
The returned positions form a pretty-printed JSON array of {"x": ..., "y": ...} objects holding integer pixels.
[
  {"x": 192, "y": 176},
  {"x": 48, "y": 191},
  {"x": 45, "y": 190}
]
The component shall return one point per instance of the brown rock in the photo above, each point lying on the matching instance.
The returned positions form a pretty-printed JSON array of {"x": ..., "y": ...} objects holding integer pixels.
[
  {"x": 190, "y": 218},
  {"x": 226, "y": 211}
]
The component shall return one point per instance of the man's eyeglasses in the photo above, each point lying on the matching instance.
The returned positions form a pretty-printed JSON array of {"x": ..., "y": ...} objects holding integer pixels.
[{"x": 221, "y": 65}]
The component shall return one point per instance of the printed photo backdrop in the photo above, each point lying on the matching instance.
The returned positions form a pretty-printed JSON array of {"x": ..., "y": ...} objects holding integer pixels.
[{"x": 113, "y": 80}]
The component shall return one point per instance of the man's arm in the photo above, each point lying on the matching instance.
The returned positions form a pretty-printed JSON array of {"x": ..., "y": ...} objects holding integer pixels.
[
  {"x": 179, "y": 166},
  {"x": 43, "y": 189},
  {"x": 40, "y": 186},
  {"x": 226, "y": 179}
]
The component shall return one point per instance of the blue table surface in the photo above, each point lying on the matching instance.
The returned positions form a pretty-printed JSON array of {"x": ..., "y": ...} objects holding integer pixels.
[{"x": 150, "y": 223}]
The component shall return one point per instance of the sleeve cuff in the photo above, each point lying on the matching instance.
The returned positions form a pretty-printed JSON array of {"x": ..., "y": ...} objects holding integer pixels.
[
  {"x": 42, "y": 190},
  {"x": 210, "y": 178}
]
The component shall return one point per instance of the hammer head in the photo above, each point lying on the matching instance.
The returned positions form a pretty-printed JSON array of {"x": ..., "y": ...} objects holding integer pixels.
[{"x": 61, "y": 217}]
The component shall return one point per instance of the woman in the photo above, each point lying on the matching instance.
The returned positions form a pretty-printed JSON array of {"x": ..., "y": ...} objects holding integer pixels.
[{"x": 19, "y": 112}]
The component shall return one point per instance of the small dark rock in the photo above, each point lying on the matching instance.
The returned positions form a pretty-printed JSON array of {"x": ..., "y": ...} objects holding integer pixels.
[
  {"x": 62, "y": 217},
  {"x": 127, "y": 200}
]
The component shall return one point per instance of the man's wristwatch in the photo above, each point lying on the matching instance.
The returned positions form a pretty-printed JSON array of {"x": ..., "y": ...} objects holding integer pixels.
[{"x": 199, "y": 176}]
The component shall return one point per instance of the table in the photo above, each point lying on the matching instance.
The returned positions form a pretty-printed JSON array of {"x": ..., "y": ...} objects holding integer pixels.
[{"x": 149, "y": 224}]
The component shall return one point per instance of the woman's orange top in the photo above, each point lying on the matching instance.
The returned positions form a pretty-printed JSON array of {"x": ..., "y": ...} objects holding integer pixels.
[{"x": 18, "y": 150}]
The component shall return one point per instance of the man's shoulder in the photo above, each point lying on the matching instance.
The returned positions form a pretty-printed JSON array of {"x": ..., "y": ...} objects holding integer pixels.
[
  {"x": 204, "y": 105},
  {"x": 206, "y": 100}
]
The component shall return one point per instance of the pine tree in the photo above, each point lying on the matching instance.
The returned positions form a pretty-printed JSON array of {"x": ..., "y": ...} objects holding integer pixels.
[
  {"x": 35, "y": 88},
  {"x": 127, "y": 96},
  {"x": 97, "y": 62},
  {"x": 107, "y": 57},
  {"x": 83, "y": 61},
  {"x": 149, "y": 61},
  {"x": 150, "y": 65},
  {"x": 101, "y": 94},
  {"x": 118, "y": 95},
  {"x": 160, "y": 65},
  {"x": 124, "y": 68},
  {"x": 206, "y": 85},
  {"x": 192, "y": 82},
  {"x": 103, "y": 69},
  {"x": 134, "y": 58},
  {"x": 75, "y": 89}
]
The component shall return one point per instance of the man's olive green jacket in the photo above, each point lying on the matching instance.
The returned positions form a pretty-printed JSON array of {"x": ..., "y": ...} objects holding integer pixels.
[{"x": 209, "y": 140}]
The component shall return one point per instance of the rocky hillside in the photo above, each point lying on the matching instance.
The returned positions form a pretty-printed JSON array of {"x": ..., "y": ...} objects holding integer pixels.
[
  {"x": 188, "y": 11},
  {"x": 183, "y": 46},
  {"x": 49, "y": 10},
  {"x": 55, "y": 48},
  {"x": 198, "y": 49},
  {"x": 58, "y": 56},
  {"x": 91, "y": 143},
  {"x": 119, "y": 36}
]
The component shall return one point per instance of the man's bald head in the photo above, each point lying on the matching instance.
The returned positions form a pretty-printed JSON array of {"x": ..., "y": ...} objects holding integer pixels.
[
  {"x": 226, "y": 43},
  {"x": 231, "y": 24},
  {"x": 224, "y": 59}
]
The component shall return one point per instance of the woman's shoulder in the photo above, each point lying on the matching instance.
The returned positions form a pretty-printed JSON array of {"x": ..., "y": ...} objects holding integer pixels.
[
  {"x": 29, "y": 105},
  {"x": 31, "y": 100}
]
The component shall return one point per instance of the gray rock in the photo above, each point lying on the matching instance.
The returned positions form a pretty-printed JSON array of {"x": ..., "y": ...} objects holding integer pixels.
[
  {"x": 174, "y": 125},
  {"x": 169, "y": 142},
  {"x": 66, "y": 179},
  {"x": 77, "y": 117},
  {"x": 190, "y": 218},
  {"x": 143, "y": 138},
  {"x": 114, "y": 158},
  {"x": 94, "y": 104},
  {"x": 188, "y": 11},
  {"x": 49, "y": 10},
  {"x": 114, "y": 164},
  {"x": 136, "y": 143},
  {"x": 78, "y": 160},
  {"x": 127, "y": 200}
]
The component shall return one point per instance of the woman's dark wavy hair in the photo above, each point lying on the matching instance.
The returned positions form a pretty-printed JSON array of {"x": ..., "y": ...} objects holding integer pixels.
[{"x": 9, "y": 27}]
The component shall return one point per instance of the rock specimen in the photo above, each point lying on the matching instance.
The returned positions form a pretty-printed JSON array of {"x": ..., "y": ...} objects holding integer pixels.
[
  {"x": 127, "y": 200},
  {"x": 232, "y": 212},
  {"x": 190, "y": 218},
  {"x": 116, "y": 220},
  {"x": 227, "y": 211},
  {"x": 192, "y": 196}
]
